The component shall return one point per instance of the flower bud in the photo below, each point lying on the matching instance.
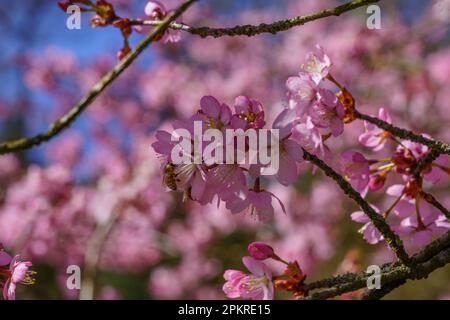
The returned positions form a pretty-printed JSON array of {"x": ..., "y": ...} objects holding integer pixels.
[
  {"x": 376, "y": 182},
  {"x": 260, "y": 250}
]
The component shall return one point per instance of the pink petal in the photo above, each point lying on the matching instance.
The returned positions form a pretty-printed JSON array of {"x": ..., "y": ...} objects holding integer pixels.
[
  {"x": 284, "y": 122},
  {"x": 225, "y": 114},
  {"x": 254, "y": 266},
  {"x": 210, "y": 106},
  {"x": 360, "y": 216},
  {"x": 422, "y": 237},
  {"x": 384, "y": 115},
  {"x": 337, "y": 127},
  {"x": 294, "y": 84},
  {"x": 230, "y": 274},
  {"x": 152, "y": 6},
  {"x": 198, "y": 186},
  {"x": 396, "y": 190},
  {"x": 372, "y": 235},
  {"x": 293, "y": 149},
  {"x": 5, "y": 258},
  {"x": 260, "y": 199},
  {"x": 287, "y": 172},
  {"x": 241, "y": 104}
]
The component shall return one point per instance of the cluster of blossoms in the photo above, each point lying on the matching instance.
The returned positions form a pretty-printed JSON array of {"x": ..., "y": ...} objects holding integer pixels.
[
  {"x": 51, "y": 213},
  {"x": 235, "y": 183},
  {"x": 320, "y": 112},
  {"x": 12, "y": 272},
  {"x": 313, "y": 115},
  {"x": 105, "y": 15},
  {"x": 260, "y": 284},
  {"x": 415, "y": 219}
]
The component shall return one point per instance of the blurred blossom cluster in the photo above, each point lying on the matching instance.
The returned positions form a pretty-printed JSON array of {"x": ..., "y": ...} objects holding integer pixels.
[{"x": 103, "y": 170}]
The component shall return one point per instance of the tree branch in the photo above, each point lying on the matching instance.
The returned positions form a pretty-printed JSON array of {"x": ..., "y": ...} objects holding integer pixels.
[
  {"x": 347, "y": 282},
  {"x": 93, "y": 250},
  {"x": 66, "y": 120},
  {"x": 391, "y": 238},
  {"x": 433, "y": 201},
  {"x": 252, "y": 30},
  {"x": 437, "y": 145}
]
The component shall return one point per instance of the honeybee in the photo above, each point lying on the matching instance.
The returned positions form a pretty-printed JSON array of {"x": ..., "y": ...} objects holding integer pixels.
[{"x": 170, "y": 177}]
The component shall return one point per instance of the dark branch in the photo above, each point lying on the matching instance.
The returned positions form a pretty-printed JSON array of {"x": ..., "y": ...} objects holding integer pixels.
[
  {"x": 391, "y": 238},
  {"x": 275, "y": 27},
  {"x": 437, "y": 145}
]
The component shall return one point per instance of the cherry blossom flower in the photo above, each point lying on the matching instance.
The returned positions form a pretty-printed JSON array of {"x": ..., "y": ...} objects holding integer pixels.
[
  {"x": 227, "y": 177},
  {"x": 407, "y": 156},
  {"x": 356, "y": 168},
  {"x": 310, "y": 138},
  {"x": 249, "y": 113},
  {"x": 374, "y": 137},
  {"x": 256, "y": 286},
  {"x": 18, "y": 273},
  {"x": 302, "y": 92},
  {"x": 233, "y": 279},
  {"x": 290, "y": 150},
  {"x": 256, "y": 203},
  {"x": 328, "y": 112},
  {"x": 419, "y": 223},
  {"x": 217, "y": 116},
  {"x": 317, "y": 65},
  {"x": 157, "y": 11}
]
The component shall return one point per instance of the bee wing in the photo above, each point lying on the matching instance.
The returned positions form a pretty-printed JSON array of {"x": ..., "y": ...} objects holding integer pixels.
[{"x": 162, "y": 159}]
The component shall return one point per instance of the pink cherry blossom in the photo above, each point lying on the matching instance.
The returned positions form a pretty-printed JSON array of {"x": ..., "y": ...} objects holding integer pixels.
[
  {"x": 233, "y": 279},
  {"x": 408, "y": 155},
  {"x": 419, "y": 225},
  {"x": 317, "y": 64},
  {"x": 249, "y": 113},
  {"x": 256, "y": 203},
  {"x": 157, "y": 11},
  {"x": 290, "y": 150},
  {"x": 302, "y": 92},
  {"x": 374, "y": 137},
  {"x": 217, "y": 115},
  {"x": 229, "y": 177},
  {"x": 256, "y": 286},
  {"x": 310, "y": 138},
  {"x": 356, "y": 168},
  {"x": 19, "y": 273},
  {"x": 328, "y": 112}
]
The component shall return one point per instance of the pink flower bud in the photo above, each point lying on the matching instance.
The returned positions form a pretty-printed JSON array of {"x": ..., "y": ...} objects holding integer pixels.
[
  {"x": 376, "y": 182},
  {"x": 260, "y": 250}
]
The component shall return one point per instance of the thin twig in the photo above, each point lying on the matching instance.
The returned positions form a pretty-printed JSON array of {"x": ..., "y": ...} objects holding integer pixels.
[
  {"x": 252, "y": 30},
  {"x": 65, "y": 121},
  {"x": 92, "y": 256},
  {"x": 433, "y": 201},
  {"x": 378, "y": 221}
]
